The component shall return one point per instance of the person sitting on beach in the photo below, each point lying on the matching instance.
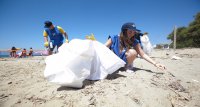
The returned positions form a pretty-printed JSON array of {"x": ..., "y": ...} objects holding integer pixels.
[
  {"x": 55, "y": 34},
  {"x": 13, "y": 52},
  {"x": 127, "y": 47},
  {"x": 31, "y": 52},
  {"x": 23, "y": 53},
  {"x": 19, "y": 55}
]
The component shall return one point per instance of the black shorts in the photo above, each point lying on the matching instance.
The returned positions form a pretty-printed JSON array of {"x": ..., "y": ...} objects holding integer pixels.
[{"x": 51, "y": 49}]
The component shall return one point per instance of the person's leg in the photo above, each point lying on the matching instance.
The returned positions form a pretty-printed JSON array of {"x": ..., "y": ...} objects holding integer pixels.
[
  {"x": 51, "y": 49},
  {"x": 23, "y": 55},
  {"x": 131, "y": 54},
  {"x": 11, "y": 54},
  {"x": 31, "y": 54},
  {"x": 15, "y": 54},
  {"x": 58, "y": 46}
]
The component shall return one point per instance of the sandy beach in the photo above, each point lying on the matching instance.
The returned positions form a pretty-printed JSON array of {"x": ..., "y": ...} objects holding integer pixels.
[{"x": 23, "y": 84}]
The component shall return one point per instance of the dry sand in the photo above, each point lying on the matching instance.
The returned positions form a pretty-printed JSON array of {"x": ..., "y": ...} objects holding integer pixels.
[{"x": 23, "y": 84}]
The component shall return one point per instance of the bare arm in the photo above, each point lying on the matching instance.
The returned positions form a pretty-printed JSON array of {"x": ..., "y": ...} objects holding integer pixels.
[
  {"x": 147, "y": 58},
  {"x": 45, "y": 36},
  {"x": 46, "y": 44},
  {"x": 45, "y": 39},
  {"x": 108, "y": 43},
  {"x": 143, "y": 55}
]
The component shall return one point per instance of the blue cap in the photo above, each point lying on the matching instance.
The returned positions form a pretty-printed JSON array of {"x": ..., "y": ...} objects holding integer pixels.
[
  {"x": 47, "y": 24},
  {"x": 130, "y": 26}
]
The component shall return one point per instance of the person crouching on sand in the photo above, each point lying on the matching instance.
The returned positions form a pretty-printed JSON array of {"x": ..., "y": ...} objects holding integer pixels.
[
  {"x": 24, "y": 53},
  {"x": 127, "y": 47},
  {"x": 55, "y": 34}
]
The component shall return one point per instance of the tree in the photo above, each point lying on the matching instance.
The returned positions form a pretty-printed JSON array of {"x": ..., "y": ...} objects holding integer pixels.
[{"x": 187, "y": 36}]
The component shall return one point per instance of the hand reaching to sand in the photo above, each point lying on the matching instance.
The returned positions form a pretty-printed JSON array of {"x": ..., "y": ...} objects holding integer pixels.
[{"x": 160, "y": 66}]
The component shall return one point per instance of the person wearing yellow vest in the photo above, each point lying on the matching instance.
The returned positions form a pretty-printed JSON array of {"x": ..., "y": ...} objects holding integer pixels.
[{"x": 55, "y": 34}]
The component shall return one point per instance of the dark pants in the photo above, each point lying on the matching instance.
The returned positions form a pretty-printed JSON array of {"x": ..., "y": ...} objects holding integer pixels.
[{"x": 51, "y": 49}]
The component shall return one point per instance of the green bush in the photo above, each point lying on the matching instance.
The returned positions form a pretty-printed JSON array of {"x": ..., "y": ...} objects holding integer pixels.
[{"x": 187, "y": 36}]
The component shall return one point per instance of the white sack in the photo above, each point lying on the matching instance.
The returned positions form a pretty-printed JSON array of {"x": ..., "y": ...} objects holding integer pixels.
[
  {"x": 80, "y": 60},
  {"x": 147, "y": 47}
]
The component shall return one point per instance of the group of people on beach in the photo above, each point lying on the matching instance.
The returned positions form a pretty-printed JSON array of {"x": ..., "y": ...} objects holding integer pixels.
[
  {"x": 22, "y": 54},
  {"x": 125, "y": 45}
]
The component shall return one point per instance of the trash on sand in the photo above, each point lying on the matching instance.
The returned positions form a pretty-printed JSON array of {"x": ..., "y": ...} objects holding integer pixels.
[
  {"x": 175, "y": 57},
  {"x": 195, "y": 80}
]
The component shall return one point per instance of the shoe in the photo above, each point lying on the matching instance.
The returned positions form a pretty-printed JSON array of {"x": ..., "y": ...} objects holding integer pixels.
[
  {"x": 129, "y": 68},
  {"x": 129, "y": 71}
]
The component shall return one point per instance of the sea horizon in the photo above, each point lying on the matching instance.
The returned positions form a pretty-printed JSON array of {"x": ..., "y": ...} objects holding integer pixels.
[{"x": 6, "y": 53}]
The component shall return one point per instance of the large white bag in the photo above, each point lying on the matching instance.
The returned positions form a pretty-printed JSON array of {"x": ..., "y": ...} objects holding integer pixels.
[
  {"x": 147, "y": 47},
  {"x": 104, "y": 62},
  {"x": 80, "y": 60}
]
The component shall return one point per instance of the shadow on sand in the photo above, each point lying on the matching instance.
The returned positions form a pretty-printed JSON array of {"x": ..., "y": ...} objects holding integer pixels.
[
  {"x": 112, "y": 76},
  {"x": 147, "y": 70}
]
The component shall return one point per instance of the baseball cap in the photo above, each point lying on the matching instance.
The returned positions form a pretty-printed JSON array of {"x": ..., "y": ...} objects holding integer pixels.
[
  {"x": 130, "y": 26},
  {"x": 47, "y": 24}
]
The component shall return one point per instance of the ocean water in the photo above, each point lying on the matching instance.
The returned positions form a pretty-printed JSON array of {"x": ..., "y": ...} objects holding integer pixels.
[
  {"x": 4, "y": 56},
  {"x": 7, "y": 54}
]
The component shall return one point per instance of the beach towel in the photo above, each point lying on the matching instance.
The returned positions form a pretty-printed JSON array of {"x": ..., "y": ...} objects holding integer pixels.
[{"x": 79, "y": 60}]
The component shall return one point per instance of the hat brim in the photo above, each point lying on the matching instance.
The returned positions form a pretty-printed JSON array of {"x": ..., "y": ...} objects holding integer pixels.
[
  {"x": 138, "y": 30},
  {"x": 135, "y": 29},
  {"x": 46, "y": 26}
]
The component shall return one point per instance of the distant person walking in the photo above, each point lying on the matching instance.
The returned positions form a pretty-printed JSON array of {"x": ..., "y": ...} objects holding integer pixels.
[{"x": 55, "y": 34}]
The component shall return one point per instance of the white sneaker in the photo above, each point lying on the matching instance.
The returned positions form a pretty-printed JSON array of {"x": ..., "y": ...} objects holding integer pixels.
[
  {"x": 129, "y": 71},
  {"x": 129, "y": 68}
]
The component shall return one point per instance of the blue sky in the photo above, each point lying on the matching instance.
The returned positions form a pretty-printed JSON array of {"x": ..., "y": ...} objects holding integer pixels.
[{"x": 22, "y": 21}]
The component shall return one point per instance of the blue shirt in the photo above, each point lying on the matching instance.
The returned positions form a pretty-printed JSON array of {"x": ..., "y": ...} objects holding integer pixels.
[
  {"x": 115, "y": 47},
  {"x": 55, "y": 36}
]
